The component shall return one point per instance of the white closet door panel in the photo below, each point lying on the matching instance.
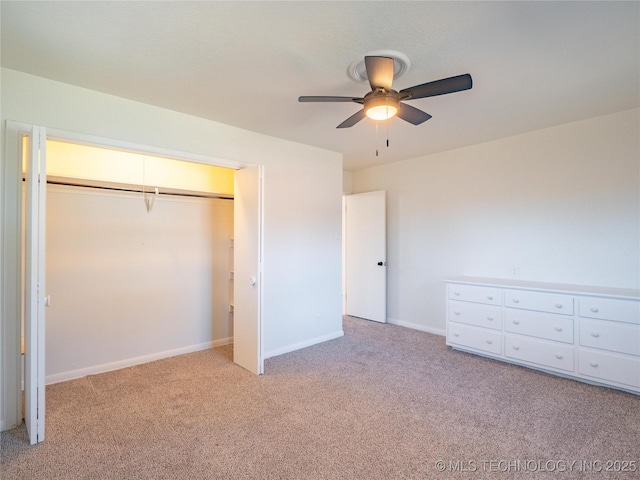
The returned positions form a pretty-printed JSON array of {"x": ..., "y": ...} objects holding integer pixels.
[
  {"x": 36, "y": 182},
  {"x": 247, "y": 259}
]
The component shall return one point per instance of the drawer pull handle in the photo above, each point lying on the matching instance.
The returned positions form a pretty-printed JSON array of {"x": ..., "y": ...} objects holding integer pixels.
[
  {"x": 516, "y": 347},
  {"x": 456, "y": 313},
  {"x": 558, "y": 305},
  {"x": 594, "y": 309},
  {"x": 457, "y": 294},
  {"x": 559, "y": 356},
  {"x": 595, "y": 334},
  {"x": 490, "y": 319},
  {"x": 593, "y": 364},
  {"x": 489, "y": 341},
  {"x": 489, "y": 297},
  {"x": 516, "y": 322},
  {"x": 516, "y": 300},
  {"x": 558, "y": 329}
]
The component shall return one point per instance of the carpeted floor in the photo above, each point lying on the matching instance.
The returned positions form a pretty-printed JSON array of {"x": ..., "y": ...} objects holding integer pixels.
[{"x": 383, "y": 402}]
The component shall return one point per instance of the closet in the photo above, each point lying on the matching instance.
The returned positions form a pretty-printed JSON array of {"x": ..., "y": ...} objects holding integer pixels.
[{"x": 138, "y": 259}]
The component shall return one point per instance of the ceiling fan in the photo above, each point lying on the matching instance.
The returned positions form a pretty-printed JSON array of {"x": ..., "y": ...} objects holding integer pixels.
[{"x": 382, "y": 102}]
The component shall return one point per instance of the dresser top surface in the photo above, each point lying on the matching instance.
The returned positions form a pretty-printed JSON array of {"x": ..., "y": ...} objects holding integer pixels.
[{"x": 628, "y": 293}]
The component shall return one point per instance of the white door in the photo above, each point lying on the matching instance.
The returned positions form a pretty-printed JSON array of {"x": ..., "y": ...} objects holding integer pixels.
[
  {"x": 36, "y": 183},
  {"x": 366, "y": 256},
  {"x": 247, "y": 266}
]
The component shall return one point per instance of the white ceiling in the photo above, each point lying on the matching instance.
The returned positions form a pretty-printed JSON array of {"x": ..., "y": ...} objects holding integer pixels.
[{"x": 534, "y": 64}]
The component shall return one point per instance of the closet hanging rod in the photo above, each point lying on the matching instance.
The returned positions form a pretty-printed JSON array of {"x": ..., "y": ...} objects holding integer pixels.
[{"x": 139, "y": 190}]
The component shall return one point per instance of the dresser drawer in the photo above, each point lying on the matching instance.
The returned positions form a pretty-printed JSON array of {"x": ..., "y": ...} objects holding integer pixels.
[
  {"x": 471, "y": 293},
  {"x": 546, "y": 354},
  {"x": 541, "y": 302},
  {"x": 583, "y": 332},
  {"x": 483, "y": 339},
  {"x": 558, "y": 328},
  {"x": 613, "y": 336},
  {"x": 609, "y": 366},
  {"x": 609, "y": 309},
  {"x": 488, "y": 316}
]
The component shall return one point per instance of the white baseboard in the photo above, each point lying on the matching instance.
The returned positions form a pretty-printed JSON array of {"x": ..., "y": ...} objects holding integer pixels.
[
  {"x": 130, "y": 362},
  {"x": 415, "y": 326},
  {"x": 307, "y": 343}
]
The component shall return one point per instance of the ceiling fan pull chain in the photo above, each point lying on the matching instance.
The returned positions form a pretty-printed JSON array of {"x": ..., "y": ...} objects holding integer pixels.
[
  {"x": 387, "y": 125},
  {"x": 376, "y": 139}
]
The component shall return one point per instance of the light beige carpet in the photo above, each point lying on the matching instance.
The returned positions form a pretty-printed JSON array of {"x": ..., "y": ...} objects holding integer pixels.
[{"x": 383, "y": 402}]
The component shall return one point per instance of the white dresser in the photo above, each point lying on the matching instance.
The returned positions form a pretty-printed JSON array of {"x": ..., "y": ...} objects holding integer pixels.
[{"x": 586, "y": 333}]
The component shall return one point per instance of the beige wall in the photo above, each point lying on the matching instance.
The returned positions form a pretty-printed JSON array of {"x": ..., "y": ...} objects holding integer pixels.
[
  {"x": 130, "y": 286},
  {"x": 559, "y": 205}
]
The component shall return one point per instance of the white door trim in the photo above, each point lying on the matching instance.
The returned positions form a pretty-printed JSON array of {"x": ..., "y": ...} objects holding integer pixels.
[
  {"x": 11, "y": 278},
  {"x": 114, "y": 144}
]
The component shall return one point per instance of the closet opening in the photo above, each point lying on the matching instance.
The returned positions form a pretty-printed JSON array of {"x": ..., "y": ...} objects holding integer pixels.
[
  {"x": 139, "y": 263},
  {"x": 27, "y": 302}
]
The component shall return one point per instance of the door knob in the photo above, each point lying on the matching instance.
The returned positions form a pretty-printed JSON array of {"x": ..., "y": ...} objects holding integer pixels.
[{"x": 381, "y": 264}]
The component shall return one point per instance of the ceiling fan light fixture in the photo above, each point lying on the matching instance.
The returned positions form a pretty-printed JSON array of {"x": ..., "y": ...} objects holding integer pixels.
[
  {"x": 381, "y": 108},
  {"x": 381, "y": 112}
]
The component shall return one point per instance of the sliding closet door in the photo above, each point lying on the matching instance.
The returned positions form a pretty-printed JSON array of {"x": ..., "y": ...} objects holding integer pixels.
[
  {"x": 36, "y": 183},
  {"x": 247, "y": 335}
]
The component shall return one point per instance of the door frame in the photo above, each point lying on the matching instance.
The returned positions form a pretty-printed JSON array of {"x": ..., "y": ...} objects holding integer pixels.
[{"x": 11, "y": 246}]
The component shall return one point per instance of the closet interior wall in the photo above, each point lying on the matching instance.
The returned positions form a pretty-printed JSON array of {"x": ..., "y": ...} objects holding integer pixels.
[{"x": 129, "y": 286}]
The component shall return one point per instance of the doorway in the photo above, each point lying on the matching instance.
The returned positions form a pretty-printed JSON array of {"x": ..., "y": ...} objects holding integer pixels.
[{"x": 248, "y": 315}]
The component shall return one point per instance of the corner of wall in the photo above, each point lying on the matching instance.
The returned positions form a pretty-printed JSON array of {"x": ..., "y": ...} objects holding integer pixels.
[{"x": 347, "y": 182}]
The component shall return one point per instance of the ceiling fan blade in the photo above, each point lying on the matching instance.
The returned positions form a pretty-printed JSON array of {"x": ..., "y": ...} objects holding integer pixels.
[
  {"x": 352, "y": 120},
  {"x": 330, "y": 99},
  {"x": 379, "y": 72},
  {"x": 412, "y": 114},
  {"x": 439, "y": 87}
]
